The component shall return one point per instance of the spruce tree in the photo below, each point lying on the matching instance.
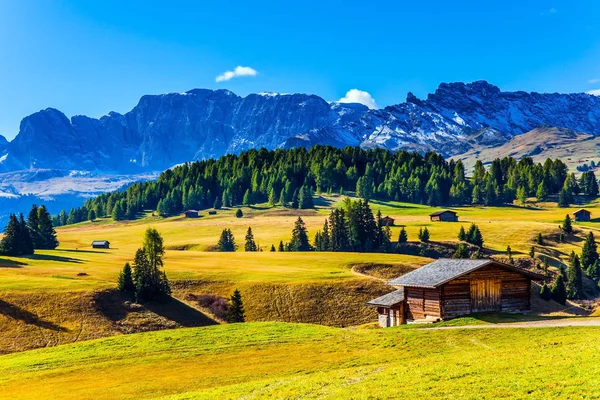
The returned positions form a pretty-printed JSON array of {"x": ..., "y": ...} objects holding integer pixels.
[
  {"x": 589, "y": 251},
  {"x": 558, "y": 291},
  {"x": 236, "y": 308},
  {"x": 125, "y": 282},
  {"x": 33, "y": 225},
  {"x": 239, "y": 213},
  {"x": 282, "y": 198},
  {"x": 541, "y": 192},
  {"x": 91, "y": 215},
  {"x": 539, "y": 239},
  {"x": 474, "y": 236},
  {"x": 217, "y": 205},
  {"x": 272, "y": 200},
  {"x": 10, "y": 242},
  {"x": 564, "y": 199},
  {"x": 461, "y": 251},
  {"x": 272, "y": 248},
  {"x": 226, "y": 241},
  {"x": 567, "y": 226},
  {"x": 247, "y": 200},
  {"x": 281, "y": 247},
  {"x": 462, "y": 236},
  {"x": 574, "y": 280},
  {"x": 402, "y": 237},
  {"x": 46, "y": 232},
  {"x": 300, "y": 241},
  {"x": 424, "y": 235},
  {"x": 25, "y": 243},
  {"x": 545, "y": 292},
  {"x": 250, "y": 244},
  {"x": 305, "y": 200}
]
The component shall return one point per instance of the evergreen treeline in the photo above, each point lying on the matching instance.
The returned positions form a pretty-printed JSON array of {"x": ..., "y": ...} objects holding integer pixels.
[
  {"x": 353, "y": 228},
  {"x": 22, "y": 237},
  {"x": 290, "y": 177}
]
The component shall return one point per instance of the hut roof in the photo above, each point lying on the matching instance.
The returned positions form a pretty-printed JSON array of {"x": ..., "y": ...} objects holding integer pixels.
[
  {"x": 444, "y": 270},
  {"x": 442, "y": 212},
  {"x": 100, "y": 242},
  {"x": 388, "y": 300},
  {"x": 582, "y": 210}
]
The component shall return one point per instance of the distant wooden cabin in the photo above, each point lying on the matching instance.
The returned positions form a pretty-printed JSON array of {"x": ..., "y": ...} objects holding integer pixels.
[
  {"x": 212, "y": 212},
  {"x": 191, "y": 214},
  {"x": 582, "y": 215},
  {"x": 450, "y": 288},
  {"x": 387, "y": 221},
  {"x": 444, "y": 216},
  {"x": 101, "y": 244}
]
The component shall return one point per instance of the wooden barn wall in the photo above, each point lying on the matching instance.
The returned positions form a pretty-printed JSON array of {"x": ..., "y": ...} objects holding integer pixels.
[
  {"x": 516, "y": 291},
  {"x": 422, "y": 302}
]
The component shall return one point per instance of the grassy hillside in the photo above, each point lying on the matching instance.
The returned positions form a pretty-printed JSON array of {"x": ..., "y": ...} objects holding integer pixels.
[
  {"x": 276, "y": 360},
  {"x": 57, "y": 296}
]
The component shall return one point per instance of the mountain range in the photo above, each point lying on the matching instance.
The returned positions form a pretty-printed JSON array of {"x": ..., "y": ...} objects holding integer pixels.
[{"x": 461, "y": 120}]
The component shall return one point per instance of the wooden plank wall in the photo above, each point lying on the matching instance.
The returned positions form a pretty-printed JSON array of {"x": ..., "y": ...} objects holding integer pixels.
[
  {"x": 516, "y": 291},
  {"x": 423, "y": 302}
]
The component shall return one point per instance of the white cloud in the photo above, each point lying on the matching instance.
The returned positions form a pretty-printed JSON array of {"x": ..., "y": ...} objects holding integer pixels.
[
  {"x": 238, "y": 71},
  {"x": 358, "y": 96},
  {"x": 595, "y": 80},
  {"x": 595, "y": 92},
  {"x": 553, "y": 10}
]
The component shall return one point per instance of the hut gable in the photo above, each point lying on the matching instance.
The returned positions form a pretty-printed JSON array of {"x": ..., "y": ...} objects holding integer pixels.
[{"x": 387, "y": 221}]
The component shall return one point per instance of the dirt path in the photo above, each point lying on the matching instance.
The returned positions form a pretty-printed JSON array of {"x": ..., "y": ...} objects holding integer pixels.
[{"x": 550, "y": 323}]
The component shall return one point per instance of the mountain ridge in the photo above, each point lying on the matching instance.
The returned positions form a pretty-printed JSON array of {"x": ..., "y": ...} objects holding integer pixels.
[{"x": 168, "y": 129}]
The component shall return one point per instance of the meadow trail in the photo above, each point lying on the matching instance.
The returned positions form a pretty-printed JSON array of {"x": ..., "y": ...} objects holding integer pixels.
[{"x": 552, "y": 323}]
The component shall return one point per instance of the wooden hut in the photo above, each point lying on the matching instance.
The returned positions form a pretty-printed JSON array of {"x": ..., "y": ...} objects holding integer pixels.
[
  {"x": 387, "y": 221},
  {"x": 190, "y": 213},
  {"x": 449, "y": 288},
  {"x": 582, "y": 215},
  {"x": 101, "y": 244},
  {"x": 444, "y": 216},
  {"x": 212, "y": 212}
]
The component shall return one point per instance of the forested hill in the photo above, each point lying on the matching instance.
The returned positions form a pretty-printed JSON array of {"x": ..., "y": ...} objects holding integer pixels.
[{"x": 290, "y": 177}]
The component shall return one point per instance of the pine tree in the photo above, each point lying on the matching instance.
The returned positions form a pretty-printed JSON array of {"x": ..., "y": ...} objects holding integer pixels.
[
  {"x": 541, "y": 192},
  {"x": 521, "y": 195},
  {"x": 558, "y": 291},
  {"x": 539, "y": 239},
  {"x": 594, "y": 271},
  {"x": 282, "y": 198},
  {"x": 474, "y": 236},
  {"x": 125, "y": 282},
  {"x": 545, "y": 292},
  {"x": 325, "y": 238},
  {"x": 239, "y": 213},
  {"x": 150, "y": 281},
  {"x": 567, "y": 226},
  {"x": 236, "y": 308},
  {"x": 46, "y": 232},
  {"x": 33, "y": 225},
  {"x": 589, "y": 252},
  {"x": 217, "y": 205},
  {"x": 574, "y": 279},
  {"x": 247, "y": 200},
  {"x": 226, "y": 241},
  {"x": 272, "y": 199},
  {"x": 272, "y": 248},
  {"x": 281, "y": 247},
  {"x": 250, "y": 244},
  {"x": 564, "y": 199},
  {"x": 305, "y": 199},
  {"x": 118, "y": 214},
  {"x": 424, "y": 235},
  {"x": 300, "y": 241},
  {"x": 462, "y": 236},
  {"x": 461, "y": 251},
  {"x": 10, "y": 242},
  {"x": 402, "y": 237},
  {"x": 91, "y": 215}
]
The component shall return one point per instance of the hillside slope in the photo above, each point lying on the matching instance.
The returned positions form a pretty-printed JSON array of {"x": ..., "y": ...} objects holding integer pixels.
[
  {"x": 572, "y": 147},
  {"x": 275, "y": 360}
]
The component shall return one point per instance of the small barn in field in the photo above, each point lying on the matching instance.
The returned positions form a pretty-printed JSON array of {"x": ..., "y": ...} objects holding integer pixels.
[
  {"x": 449, "y": 288},
  {"x": 101, "y": 244},
  {"x": 582, "y": 215},
  {"x": 190, "y": 213},
  {"x": 387, "y": 221},
  {"x": 212, "y": 212},
  {"x": 444, "y": 216}
]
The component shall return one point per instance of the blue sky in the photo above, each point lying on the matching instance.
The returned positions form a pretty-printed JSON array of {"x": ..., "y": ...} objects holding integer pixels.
[{"x": 92, "y": 57}]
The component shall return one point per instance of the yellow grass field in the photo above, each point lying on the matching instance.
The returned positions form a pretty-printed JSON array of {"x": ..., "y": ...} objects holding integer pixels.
[
  {"x": 287, "y": 361},
  {"x": 60, "y": 286}
]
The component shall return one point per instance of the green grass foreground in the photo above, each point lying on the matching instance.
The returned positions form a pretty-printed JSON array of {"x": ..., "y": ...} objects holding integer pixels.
[{"x": 278, "y": 360}]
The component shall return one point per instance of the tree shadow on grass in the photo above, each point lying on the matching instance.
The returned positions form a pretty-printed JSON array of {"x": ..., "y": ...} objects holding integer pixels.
[
  {"x": 5, "y": 263},
  {"x": 17, "y": 313},
  {"x": 83, "y": 251},
  {"x": 49, "y": 257},
  {"x": 179, "y": 312}
]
